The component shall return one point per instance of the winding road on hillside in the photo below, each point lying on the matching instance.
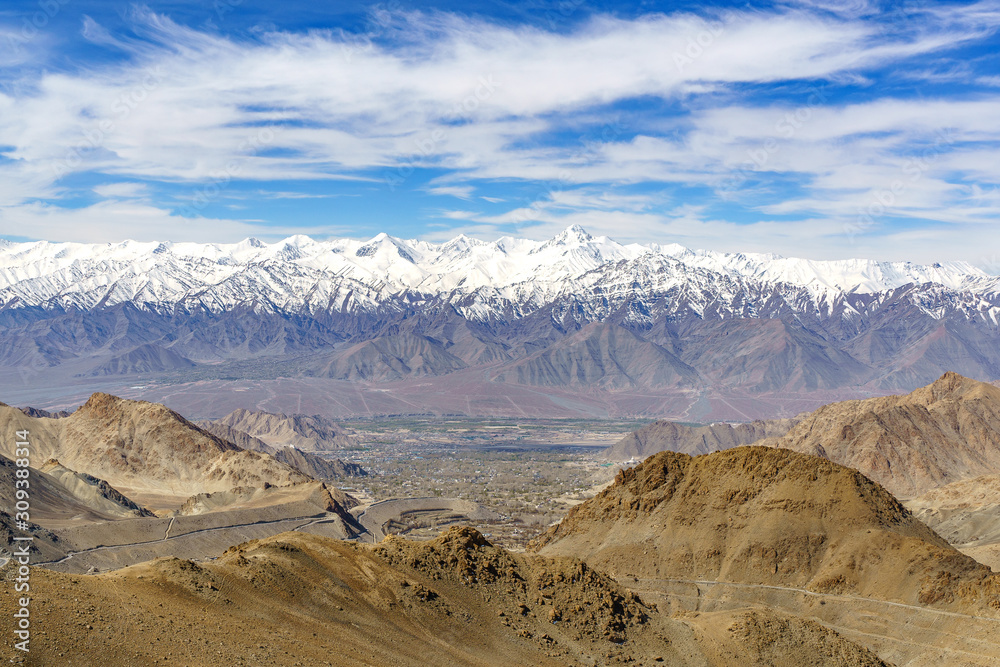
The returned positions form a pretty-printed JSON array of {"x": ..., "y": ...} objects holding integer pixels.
[
  {"x": 853, "y": 616},
  {"x": 306, "y": 521},
  {"x": 806, "y": 591}
]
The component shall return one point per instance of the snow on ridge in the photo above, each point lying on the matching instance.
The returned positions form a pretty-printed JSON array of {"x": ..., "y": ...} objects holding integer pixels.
[{"x": 40, "y": 273}]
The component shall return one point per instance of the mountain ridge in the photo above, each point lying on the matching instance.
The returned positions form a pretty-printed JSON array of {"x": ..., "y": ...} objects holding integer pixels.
[
  {"x": 306, "y": 432},
  {"x": 386, "y": 310},
  {"x": 144, "y": 448},
  {"x": 460, "y": 264},
  {"x": 305, "y": 462},
  {"x": 911, "y": 443},
  {"x": 768, "y": 516},
  {"x": 664, "y": 435}
]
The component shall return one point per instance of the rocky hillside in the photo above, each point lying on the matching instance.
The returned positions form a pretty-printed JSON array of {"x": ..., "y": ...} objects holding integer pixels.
[
  {"x": 144, "y": 450},
  {"x": 308, "y": 498},
  {"x": 938, "y": 434},
  {"x": 662, "y": 435},
  {"x": 147, "y": 358},
  {"x": 309, "y": 464},
  {"x": 93, "y": 491},
  {"x": 603, "y": 355},
  {"x": 317, "y": 466},
  {"x": 769, "y": 517},
  {"x": 308, "y": 433},
  {"x": 51, "y": 505},
  {"x": 300, "y": 599},
  {"x": 967, "y": 514}
]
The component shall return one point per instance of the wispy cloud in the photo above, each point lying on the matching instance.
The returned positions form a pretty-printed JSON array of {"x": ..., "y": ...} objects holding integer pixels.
[
  {"x": 122, "y": 190},
  {"x": 752, "y": 116},
  {"x": 461, "y": 191}
]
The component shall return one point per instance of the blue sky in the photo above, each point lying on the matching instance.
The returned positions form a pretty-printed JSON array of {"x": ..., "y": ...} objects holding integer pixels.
[{"x": 815, "y": 129}]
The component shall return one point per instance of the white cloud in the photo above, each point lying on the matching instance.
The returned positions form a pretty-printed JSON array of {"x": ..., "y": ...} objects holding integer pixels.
[
  {"x": 459, "y": 215},
  {"x": 189, "y": 103},
  {"x": 122, "y": 190},
  {"x": 459, "y": 191},
  {"x": 112, "y": 221},
  {"x": 478, "y": 100}
]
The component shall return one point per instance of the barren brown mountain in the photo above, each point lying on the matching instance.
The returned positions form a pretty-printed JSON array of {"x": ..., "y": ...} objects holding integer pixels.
[
  {"x": 938, "y": 434},
  {"x": 144, "y": 450},
  {"x": 58, "y": 494},
  {"x": 49, "y": 502},
  {"x": 307, "y": 463},
  {"x": 663, "y": 435},
  {"x": 277, "y": 430},
  {"x": 604, "y": 355},
  {"x": 391, "y": 357},
  {"x": 241, "y": 439},
  {"x": 93, "y": 492},
  {"x": 148, "y": 358},
  {"x": 967, "y": 514},
  {"x": 299, "y": 599},
  {"x": 773, "y": 517}
]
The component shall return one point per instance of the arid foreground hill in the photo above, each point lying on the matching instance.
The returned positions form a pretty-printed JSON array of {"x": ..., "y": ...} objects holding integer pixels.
[
  {"x": 765, "y": 516},
  {"x": 299, "y": 599},
  {"x": 772, "y": 526},
  {"x": 942, "y": 433},
  {"x": 144, "y": 450},
  {"x": 119, "y": 482}
]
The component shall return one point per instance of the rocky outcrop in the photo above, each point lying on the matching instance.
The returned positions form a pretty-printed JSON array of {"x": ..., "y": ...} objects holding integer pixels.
[
  {"x": 766, "y": 516},
  {"x": 144, "y": 448},
  {"x": 938, "y": 434},
  {"x": 93, "y": 491},
  {"x": 308, "y": 433},
  {"x": 315, "y": 466},
  {"x": 662, "y": 435}
]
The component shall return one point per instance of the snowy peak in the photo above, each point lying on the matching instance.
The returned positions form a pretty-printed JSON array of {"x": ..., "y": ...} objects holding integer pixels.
[
  {"x": 299, "y": 273},
  {"x": 385, "y": 247},
  {"x": 573, "y": 234},
  {"x": 461, "y": 245}
]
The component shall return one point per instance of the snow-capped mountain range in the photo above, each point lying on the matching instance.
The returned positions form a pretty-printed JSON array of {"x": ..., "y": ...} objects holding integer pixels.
[
  {"x": 300, "y": 274},
  {"x": 574, "y": 310}
]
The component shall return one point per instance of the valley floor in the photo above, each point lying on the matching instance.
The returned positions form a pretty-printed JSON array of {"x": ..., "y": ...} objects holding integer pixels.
[{"x": 464, "y": 393}]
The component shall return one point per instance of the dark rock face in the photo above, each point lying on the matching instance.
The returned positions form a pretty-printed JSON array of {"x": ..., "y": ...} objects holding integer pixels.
[
  {"x": 38, "y": 412},
  {"x": 145, "y": 358}
]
